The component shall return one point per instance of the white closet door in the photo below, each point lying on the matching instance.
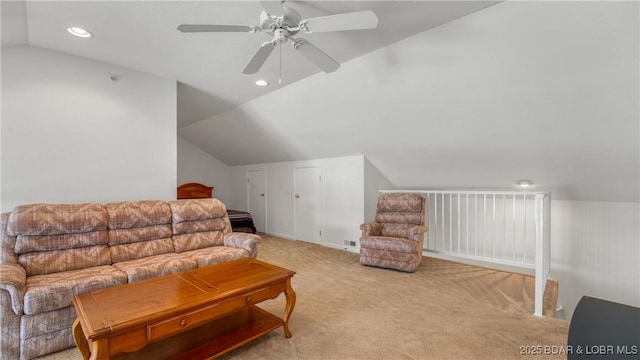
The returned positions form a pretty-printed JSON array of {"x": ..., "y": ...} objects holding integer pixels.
[
  {"x": 256, "y": 198},
  {"x": 308, "y": 204}
]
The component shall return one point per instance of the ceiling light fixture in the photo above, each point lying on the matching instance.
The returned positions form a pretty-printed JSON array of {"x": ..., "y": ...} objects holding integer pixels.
[
  {"x": 261, "y": 82},
  {"x": 79, "y": 32},
  {"x": 524, "y": 183}
]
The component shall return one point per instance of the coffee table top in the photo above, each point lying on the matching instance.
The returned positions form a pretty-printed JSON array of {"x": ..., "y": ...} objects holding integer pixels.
[{"x": 112, "y": 310}]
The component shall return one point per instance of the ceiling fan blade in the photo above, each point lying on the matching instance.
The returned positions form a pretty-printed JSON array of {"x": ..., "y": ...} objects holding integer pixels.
[
  {"x": 273, "y": 7},
  {"x": 365, "y": 19},
  {"x": 259, "y": 58},
  {"x": 322, "y": 60},
  {"x": 215, "y": 28}
]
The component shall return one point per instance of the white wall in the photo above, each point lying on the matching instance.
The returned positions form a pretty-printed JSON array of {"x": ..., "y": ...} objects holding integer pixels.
[
  {"x": 342, "y": 196},
  {"x": 195, "y": 165},
  {"x": 374, "y": 181},
  {"x": 70, "y": 134},
  {"x": 595, "y": 251}
]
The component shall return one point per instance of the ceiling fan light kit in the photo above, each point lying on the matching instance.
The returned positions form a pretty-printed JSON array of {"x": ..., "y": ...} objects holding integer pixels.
[{"x": 282, "y": 22}]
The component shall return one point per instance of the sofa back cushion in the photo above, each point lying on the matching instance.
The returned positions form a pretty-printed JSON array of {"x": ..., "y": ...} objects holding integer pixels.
[
  {"x": 139, "y": 229},
  {"x": 198, "y": 223},
  {"x": 53, "y": 238}
]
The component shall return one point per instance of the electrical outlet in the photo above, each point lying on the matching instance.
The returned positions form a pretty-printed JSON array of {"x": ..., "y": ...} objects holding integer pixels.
[{"x": 350, "y": 243}]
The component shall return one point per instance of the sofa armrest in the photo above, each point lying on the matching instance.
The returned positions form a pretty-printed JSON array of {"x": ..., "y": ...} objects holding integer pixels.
[
  {"x": 371, "y": 229},
  {"x": 417, "y": 232},
  {"x": 13, "y": 278},
  {"x": 242, "y": 240}
]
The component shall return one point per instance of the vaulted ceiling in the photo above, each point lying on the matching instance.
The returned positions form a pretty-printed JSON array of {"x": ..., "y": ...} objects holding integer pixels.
[
  {"x": 443, "y": 94},
  {"x": 141, "y": 35}
]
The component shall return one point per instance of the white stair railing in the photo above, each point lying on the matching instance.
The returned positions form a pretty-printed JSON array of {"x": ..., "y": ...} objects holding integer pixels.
[{"x": 508, "y": 229}]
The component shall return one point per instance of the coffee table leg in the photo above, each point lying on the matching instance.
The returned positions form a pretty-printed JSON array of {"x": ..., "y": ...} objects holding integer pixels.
[
  {"x": 99, "y": 350},
  {"x": 291, "y": 303},
  {"x": 80, "y": 340}
]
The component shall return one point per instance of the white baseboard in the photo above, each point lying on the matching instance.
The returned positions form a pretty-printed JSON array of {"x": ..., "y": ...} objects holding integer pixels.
[
  {"x": 352, "y": 249},
  {"x": 284, "y": 236}
]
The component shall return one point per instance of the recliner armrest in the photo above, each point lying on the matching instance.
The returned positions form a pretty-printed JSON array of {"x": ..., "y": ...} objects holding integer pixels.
[
  {"x": 245, "y": 241},
  {"x": 416, "y": 232},
  {"x": 371, "y": 229},
  {"x": 13, "y": 278}
]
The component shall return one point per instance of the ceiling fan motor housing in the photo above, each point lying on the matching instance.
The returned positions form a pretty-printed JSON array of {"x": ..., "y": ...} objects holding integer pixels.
[{"x": 289, "y": 21}]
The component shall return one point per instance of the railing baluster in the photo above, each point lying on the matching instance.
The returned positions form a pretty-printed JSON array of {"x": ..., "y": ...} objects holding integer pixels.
[
  {"x": 443, "y": 227},
  {"x": 435, "y": 213},
  {"x": 467, "y": 224},
  {"x": 504, "y": 226},
  {"x": 451, "y": 222},
  {"x": 484, "y": 226},
  {"x": 495, "y": 232},
  {"x": 458, "y": 223}
]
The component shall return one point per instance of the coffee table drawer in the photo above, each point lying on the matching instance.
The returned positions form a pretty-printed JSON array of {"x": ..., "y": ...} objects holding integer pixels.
[{"x": 180, "y": 323}]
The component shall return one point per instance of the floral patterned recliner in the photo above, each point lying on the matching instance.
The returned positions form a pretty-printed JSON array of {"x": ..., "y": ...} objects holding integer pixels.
[{"x": 395, "y": 239}]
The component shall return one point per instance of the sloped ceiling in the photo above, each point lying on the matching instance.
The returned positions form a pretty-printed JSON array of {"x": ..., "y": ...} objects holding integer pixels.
[
  {"x": 546, "y": 91},
  {"x": 444, "y": 94},
  {"x": 141, "y": 35}
]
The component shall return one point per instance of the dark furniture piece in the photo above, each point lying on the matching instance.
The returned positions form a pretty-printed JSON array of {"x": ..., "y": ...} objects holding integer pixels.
[
  {"x": 602, "y": 329},
  {"x": 241, "y": 221},
  {"x": 194, "y": 191}
]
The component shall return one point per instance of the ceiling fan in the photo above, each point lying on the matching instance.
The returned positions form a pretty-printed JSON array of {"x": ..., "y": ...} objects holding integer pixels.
[{"x": 282, "y": 23}]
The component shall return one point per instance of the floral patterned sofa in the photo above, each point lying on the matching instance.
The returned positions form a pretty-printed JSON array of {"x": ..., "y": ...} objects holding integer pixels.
[{"x": 51, "y": 252}]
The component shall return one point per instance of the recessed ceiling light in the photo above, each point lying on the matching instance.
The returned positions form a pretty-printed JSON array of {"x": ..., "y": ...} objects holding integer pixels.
[
  {"x": 79, "y": 32},
  {"x": 261, "y": 82},
  {"x": 524, "y": 183}
]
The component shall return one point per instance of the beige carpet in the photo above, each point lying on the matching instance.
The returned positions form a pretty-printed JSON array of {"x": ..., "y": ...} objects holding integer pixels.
[{"x": 445, "y": 310}]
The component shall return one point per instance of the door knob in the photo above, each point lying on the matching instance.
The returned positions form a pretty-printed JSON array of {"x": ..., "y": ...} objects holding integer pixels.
[
  {"x": 261, "y": 194},
  {"x": 297, "y": 196}
]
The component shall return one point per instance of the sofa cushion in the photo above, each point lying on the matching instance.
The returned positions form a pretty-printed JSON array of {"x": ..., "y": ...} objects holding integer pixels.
[
  {"x": 216, "y": 255},
  {"x": 154, "y": 266},
  {"x": 190, "y": 227},
  {"x": 46, "y": 322},
  {"x": 137, "y": 214},
  {"x": 44, "y": 344},
  {"x": 141, "y": 249},
  {"x": 48, "y": 262},
  {"x": 54, "y": 219},
  {"x": 30, "y": 243},
  {"x": 55, "y": 291},
  {"x": 139, "y": 229},
  {"x": 198, "y": 223},
  {"x": 128, "y": 236},
  {"x": 196, "y": 209},
  {"x": 59, "y": 237},
  {"x": 187, "y": 242}
]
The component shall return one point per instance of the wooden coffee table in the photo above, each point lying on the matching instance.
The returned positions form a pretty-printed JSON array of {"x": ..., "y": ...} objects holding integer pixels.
[{"x": 196, "y": 314}]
